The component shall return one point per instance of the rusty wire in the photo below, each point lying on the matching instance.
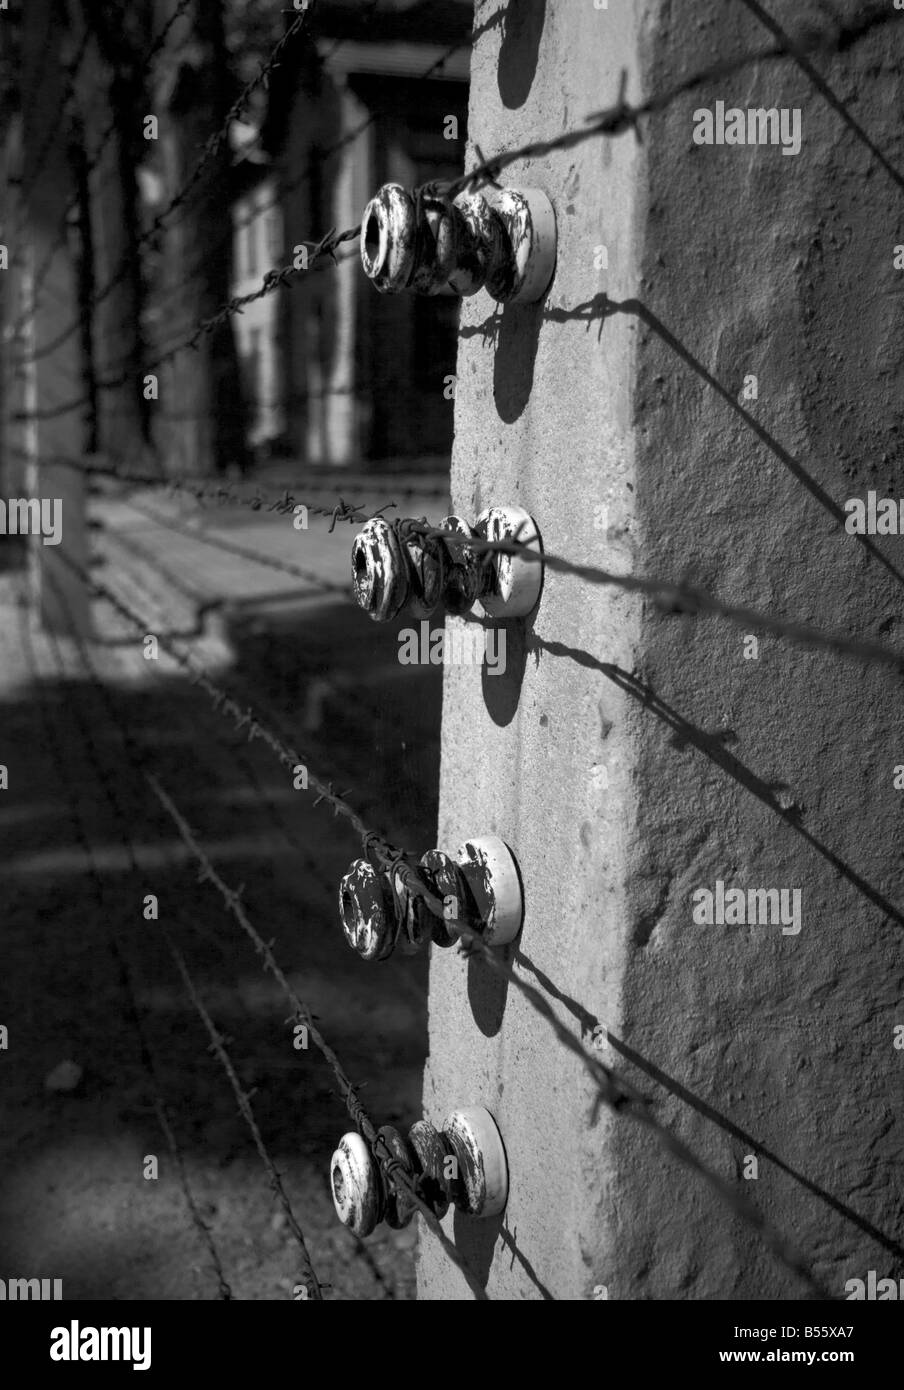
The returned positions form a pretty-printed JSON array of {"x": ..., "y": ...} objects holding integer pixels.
[
  {"x": 244, "y": 552},
  {"x": 280, "y": 498},
  {"x": 612, "y": 1090},
  {"x": 232, "y": 899},
  {"x": 622, "y": 116},
  {"x": 307, "y": 1267},
  {"x": 678, "y": 599},
  {"x": 204, "y": 603},
  {"x": 138, "y": 760},
  {"x": 211, "y": 148},
  {"x": 675, "y": 599},
  {"x": 312, "y": 871},
  {"x": 242, "y": 718},
  {"x": 285, "y": 502},
  {"x": 614, "y": 120},
  {"x": 317, "y": 158},
  {"x": 204, "y": 489},
  {"x": 243, "y": 1098},
  {"x": 156, "y": 47},
  {"x": 132, "y": 1007},
  {"x": 623, "y": 1099}
]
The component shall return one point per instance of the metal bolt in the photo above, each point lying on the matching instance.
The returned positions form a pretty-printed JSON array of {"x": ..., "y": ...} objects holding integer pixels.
[
  {"x": 491, "y": 873},
  {"x": 514, "y": 585},
  {"x": 380, "y": 909},
  {"x": 418, "y": 921},
  {"x": 367, "y": 911},
  {"x": 399, "y": 1206},
  {"x": 477, "y": 1180},
  {"x": 466, "y": 575},
  {"x": 379, "y": 572},
  {"x": 357, "y": 1193},
  {"x": 389, "y": 573},
  {"x": 503, "y": 240}
]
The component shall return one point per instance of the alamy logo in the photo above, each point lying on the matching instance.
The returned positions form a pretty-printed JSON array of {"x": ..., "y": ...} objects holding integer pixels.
[
  {"x": 30, "y": 516},
  {"x": 75, "y": 1343},
  {"x": 857, "y": 1290},
  {"x": 467, "y": 645},
  {"x": 21, "y": 1290},
  {"x": 877, "y": 516},
  {"x": 757, "y": 126},
  {"x": 752, "y": 907}
]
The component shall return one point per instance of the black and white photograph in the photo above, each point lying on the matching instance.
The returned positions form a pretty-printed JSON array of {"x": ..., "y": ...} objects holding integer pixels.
[{"x": 451, "y": 655}]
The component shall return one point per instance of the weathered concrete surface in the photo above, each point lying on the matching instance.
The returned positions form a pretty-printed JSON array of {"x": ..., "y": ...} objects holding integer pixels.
[
  {"x": 774, "y": 772},
  {"x": 543, "y": 419}
]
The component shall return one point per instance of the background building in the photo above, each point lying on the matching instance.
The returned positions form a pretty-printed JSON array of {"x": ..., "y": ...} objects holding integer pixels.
[{"x": 335, "y": 372}]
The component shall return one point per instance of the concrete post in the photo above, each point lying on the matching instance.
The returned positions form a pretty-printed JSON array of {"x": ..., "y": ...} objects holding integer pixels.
[{"x": 716, "y": 369}]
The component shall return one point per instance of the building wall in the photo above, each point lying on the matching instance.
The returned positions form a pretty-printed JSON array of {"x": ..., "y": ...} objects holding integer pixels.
[
  {"x": 632, "y": 758},
  {"x": 353, "y": 358},
  {"x": 259, "y": 244}
]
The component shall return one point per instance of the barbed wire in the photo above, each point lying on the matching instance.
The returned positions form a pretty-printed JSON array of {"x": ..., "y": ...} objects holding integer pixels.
[
  {"x": 315, "y": 160},
  {"x": 244, "y": 1098},
  {"x": 244, "y": 713},
  {"x": 204, "y": 603},
  {"x": 232, "y": 899},
  {"x": 210, "y": 150},
  {"x": 156, "y": 47},
  {"x": 177, "y": 292},
  {"x": 625, "y": 1101},
  {"x": 216, "y": 141},
  {"x": 318, "y": 158},
  {"x": 93, "y": 161},
  {"x": 242, "y": 551},
  {"x": 312, "y": 872},
  {"x": 614, "y": 120},
  {"x": 285, "y": 503},
  {"x": 223, "y": 1290},
  {"x": 257, "y": 727},
  {"x": 414, "y": 490},
  {"x": 139, "y": 761},
  {"x": 278, "y": 498},
  {"x": 132, "y": 1007},
  {"x": 613, "y": 1091},
  {"x": 674, "y": 599},
  {"x": 307, "y": 1267},
  {"x": 622, "y": 116},
  {"x": 273, "y": 279}
]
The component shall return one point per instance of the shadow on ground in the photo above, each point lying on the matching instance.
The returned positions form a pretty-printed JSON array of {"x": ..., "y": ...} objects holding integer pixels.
[{"x": 74, "y": 1201}]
